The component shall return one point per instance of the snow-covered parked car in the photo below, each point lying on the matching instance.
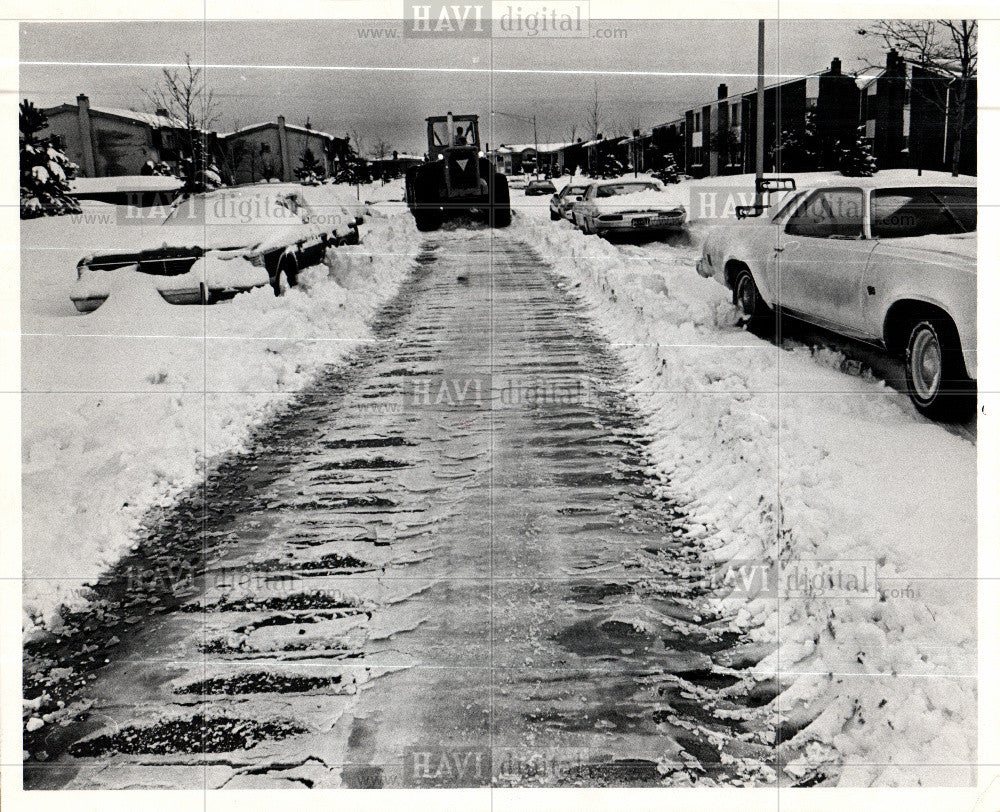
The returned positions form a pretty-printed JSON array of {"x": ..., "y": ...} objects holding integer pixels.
[
  {"x": 628, "y": 206},
  {"x": 892, "y": 263},
  {"x": 561, "y": 203},
  {"x": 539, "y": 187},
  {"x": 212, "y": 246}
]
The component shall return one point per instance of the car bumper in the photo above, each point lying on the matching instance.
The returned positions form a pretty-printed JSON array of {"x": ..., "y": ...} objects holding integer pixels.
[
  {"x": 703, "y": 268},
  {"x": 176, "y": 296},
  {"x": 640, "y": 224},
  {"x": 88, "y": 304}
]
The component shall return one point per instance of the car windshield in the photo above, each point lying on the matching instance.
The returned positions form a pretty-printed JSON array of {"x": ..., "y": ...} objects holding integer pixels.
[
  {"x": 787, "y": 205},
  {"x": 573, "y": 191},
  {"x": 922, "y": 210},
  {"x": 224, "y": 209},
  {"x": 464, "y": 132},
  {"x": 616, "y": 189}
]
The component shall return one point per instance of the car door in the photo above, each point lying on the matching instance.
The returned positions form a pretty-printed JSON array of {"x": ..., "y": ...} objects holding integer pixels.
[
  {"x": 821, "y": 257},
  {"x": 584, "y": 207}
]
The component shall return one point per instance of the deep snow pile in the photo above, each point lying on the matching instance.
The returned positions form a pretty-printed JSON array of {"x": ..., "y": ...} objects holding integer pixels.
[
  {"x": 779, "y": 455},
  {"x": 123, "y": 407}
]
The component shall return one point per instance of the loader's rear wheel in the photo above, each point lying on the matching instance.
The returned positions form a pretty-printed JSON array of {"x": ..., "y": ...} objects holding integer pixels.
[
  {"x": 500, "y": 203},
  {"x": 428, "y": 219}
]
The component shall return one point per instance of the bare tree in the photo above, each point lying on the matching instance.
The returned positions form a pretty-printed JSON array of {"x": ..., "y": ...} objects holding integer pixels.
[
  {"x": 381, "y": 149},
  {"x": 945, "y": 48},
  {"x": 595, "y": 115},
  {"x": 355, "y": 136},
  {"x": 182, "y": 94}
]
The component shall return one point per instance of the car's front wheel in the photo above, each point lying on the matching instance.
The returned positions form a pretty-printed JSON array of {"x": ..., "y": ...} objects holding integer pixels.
[
  {"x": 936, "y": 379},
  {"x": 289, "y": 268},
  {"x": 746, "y": 296}
]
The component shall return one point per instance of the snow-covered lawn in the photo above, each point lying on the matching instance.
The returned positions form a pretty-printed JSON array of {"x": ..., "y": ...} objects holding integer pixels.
[
  {"x": 122, "y": 407},
  {"x": 790, "y": 455}
]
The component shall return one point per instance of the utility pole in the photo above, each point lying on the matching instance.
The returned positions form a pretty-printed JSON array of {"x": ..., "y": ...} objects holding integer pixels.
[
  {"x": 534, "y": 125},
  {"x": 759, "y": 198}
]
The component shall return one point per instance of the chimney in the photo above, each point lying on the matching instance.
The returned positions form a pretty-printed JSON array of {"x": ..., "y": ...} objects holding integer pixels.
[
  {"x": 286, "y": 165},
  {"x": 86, "y": 139},
  {"x": 836, "y": 66},
  {"x": 162, "y": 112},
  {"x": 723, "y": 91},
  {"x": 893, "y": 63}
]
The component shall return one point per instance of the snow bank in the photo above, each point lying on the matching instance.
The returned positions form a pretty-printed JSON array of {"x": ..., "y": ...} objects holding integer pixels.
[
  {"x": 122, "y": 407},
  {"x": 779, "y": 456}
]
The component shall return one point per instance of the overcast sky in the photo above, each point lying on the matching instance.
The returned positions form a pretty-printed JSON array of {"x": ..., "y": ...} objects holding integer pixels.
[{"x": 384, "y": 89}]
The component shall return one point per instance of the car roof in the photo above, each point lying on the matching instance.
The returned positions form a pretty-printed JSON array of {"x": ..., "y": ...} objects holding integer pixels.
[{"x": 890, "y": 179}]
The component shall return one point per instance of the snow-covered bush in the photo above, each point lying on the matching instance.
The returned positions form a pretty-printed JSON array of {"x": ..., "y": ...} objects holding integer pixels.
[
  {"x": 799, "y": 150},
  {"x": 310, "y": 169},
  {"x": 45, "y": 170},
  {"x": 157, "y": 168},
  {"x": 855, "y": 157},
  {"x": 669, "y": 172}
]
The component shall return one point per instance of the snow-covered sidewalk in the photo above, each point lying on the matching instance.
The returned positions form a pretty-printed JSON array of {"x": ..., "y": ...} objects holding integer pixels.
[
  {"x": 122, "y": 408},
  {"x": 785, "y": 455}
]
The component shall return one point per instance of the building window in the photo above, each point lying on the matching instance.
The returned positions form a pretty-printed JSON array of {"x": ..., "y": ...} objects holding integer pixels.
[
  {"x": 265, "y": 148},
  {"x": 697, "y": 122},
  {"x": 734, "y": 114}
]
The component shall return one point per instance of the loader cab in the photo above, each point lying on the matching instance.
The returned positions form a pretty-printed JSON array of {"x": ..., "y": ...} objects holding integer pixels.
[
  {"x": 450, "y": 132},
  {"x": 454, "y": 140}
]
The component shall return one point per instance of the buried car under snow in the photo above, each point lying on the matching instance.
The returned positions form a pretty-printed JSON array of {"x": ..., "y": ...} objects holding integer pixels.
[
  {"x": 627, "y": 206},
  {"x": 888, "y": 262},
  {"x": 212, "y": 246}
]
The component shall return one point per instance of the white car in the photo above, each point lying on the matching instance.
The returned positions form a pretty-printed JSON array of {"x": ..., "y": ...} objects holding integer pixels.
[
  {"x": 562, "y": 202},
  {"x": 627, "y": 206},
  {"x": 889, "y": 263},
  {"x": 212, "y": 246}
]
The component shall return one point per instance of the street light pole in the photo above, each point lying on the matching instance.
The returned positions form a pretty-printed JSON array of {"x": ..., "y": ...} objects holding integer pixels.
[{"x": 759, "y": 198}]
